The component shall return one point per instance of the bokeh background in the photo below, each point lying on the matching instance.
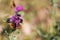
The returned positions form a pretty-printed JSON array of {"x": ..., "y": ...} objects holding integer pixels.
[{"x": 41, "y": 20}]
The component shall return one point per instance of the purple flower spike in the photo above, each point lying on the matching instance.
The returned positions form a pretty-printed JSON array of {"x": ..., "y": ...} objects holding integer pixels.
[
  {"x": 18, "y": 8},
  {"x": 15, "y": 19}
]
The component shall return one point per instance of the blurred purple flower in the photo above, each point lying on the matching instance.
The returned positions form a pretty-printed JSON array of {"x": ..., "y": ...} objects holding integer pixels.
[
  {"x": 18, "y": 8},
  {"x": 12, "y": 18},
  {"x": 16, "y": 19}
]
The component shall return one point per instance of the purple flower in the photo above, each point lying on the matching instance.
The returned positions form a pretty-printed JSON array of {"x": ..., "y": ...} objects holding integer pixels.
[
  {"x": 18, "y": 8},
  {"x": 12, "y": 18},
  {"x": 16, "y": 19}
]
